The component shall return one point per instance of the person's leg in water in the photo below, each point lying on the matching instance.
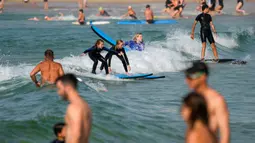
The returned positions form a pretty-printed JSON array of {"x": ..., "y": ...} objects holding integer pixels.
[
  {"x": 213, "y": 46},
  {"x": 102, "y": 59},
  {"x": 95, "y": 60},
  {"x": 46, "y": 6},
  {"x": 203, "y": 51},
  {"x": 239, "y": 6}
]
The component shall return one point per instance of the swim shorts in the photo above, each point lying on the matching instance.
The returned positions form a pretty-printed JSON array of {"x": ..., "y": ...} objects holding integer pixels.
[
  {"x": 150, "y": 21},
  {"x": 133, "y": 16},
  {"x": 206, "y": 34},
  {"x": 81, "y": 23}
]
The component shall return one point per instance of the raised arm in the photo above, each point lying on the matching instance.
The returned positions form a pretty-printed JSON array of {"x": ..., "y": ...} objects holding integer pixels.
[
  {"x": 33, "y": 73},
  {"x": 223, "y": 120},
  {"x": 193, "y": 29}
]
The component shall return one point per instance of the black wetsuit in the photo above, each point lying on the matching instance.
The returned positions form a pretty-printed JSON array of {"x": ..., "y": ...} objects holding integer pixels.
[
  {"x": 205, "y": 31},
  {"x": 105, "y": 14},
  {"x": 57, "y": 141},
  {"x": 94, "y": 54},
  {"x": 221, "y": 3},
  {"x": 124, "y": 59}
]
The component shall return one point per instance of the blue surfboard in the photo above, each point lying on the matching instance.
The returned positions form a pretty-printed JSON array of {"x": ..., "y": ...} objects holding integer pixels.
[
  {"x": 168, "y": 21},
  {"x": 153, "y": 77},
  {"x": 105, "y": 37},
  {"x": 133, "y": 76}
]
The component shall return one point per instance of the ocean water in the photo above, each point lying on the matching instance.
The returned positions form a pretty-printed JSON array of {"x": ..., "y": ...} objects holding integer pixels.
[{"x": 140, "y": 111}]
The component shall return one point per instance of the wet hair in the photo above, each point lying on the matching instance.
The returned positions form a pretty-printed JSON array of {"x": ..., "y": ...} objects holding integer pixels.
[
  {"x": 117, "y": 43},
  {"x": 57, "y": 128},
  {"x": 148, "y": 6},
  {"x": 98, "y": 42},
  {"x": 204, "y": 7},
  {"x": 136, "y": 35},
  {"x": 198, "y": 106},
  {"x": 68, "y": 79},
  {"x": 49, "y": 53},
  {"x": 81, "y": 10}
]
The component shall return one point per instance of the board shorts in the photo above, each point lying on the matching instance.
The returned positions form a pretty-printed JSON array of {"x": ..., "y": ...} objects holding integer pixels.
[
  {"x": 221, "y": 3},
  {"x": 150, "y": 21},
  {"x": 178, "y": 7},
  {"x": 133, "y": 16},
  {"x": 206, "y": 34}
]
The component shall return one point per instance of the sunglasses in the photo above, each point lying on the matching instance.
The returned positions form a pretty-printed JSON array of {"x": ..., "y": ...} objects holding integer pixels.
[{"x": 194, "y": 75}]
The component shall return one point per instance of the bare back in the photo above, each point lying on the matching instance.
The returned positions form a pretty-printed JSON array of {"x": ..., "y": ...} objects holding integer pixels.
[
  {"x": 50, "y": 71},
  {"x": 148, "y": 14},
  {"x": 78, "y": 119},
  {"x": 131, "y": 12}
]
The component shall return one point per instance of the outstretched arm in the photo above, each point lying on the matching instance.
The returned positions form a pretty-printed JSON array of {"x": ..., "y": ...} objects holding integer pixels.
[
  {"x": 193, "y": 29},
  {"x": 125, "y": 15},
  {"x": 109, "y": 50},
  {"x": 33, "y": 73}
]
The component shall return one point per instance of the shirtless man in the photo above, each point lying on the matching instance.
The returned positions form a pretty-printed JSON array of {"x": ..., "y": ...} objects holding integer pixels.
[
  {"x": 78, "y": 117},
  {"x": 149, "y": 16},
  {"x": 49, "y": 69},
  {"x": 130, "y": 13},
  {"x": 196, "y": 78},
  {"x": 81, "y": 18}
]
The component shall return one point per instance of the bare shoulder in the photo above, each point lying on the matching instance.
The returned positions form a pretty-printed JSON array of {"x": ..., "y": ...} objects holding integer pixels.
[
  {"x": 57, "y": 64},
  {"x": 216, "y": 96},
  {"x": 192, "y": 137}
]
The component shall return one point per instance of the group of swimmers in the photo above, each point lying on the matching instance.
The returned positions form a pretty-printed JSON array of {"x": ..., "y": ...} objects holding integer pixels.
[{"x": 204, "y": 110}]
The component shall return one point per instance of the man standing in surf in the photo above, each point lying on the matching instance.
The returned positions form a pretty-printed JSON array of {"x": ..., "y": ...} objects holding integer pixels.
[
  {"x": 49, "y": 69},
  {"x": 205, "y": 32},
  {"x": 196, "y": 79},
  {"x": 78, "y": 116},
  {"x": 149, "y": 16}
]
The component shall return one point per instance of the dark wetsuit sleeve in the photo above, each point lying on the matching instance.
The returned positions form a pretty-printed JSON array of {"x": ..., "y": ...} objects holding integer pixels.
[
  {"x": 210, "y": 18},
  {"x": 125, "y": 56},
  {"x": 198, "y": 17},
  {"x": 109, "y": 57},
  {"x": 88, "y": 50},
  {"x": 109, "y": 50}
]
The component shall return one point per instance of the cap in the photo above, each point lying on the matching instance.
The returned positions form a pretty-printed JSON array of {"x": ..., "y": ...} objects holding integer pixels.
[
  {"x": 198, "y": 69},
  {"x": 100, "y": 8}
]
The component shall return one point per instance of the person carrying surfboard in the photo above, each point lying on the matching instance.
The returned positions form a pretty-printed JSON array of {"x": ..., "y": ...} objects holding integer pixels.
[
  {"x": 130, "y": 13},
  {"x": 205, "y": 32},
  {"x": 136, "y": 43},
  {"x": 149, "y": 16},
  {"x": 102, "y": 12},
  {"x": 81, "y": 18},
  {"x": 121, "y": 55},
  {"x": 95, "y": 56}
]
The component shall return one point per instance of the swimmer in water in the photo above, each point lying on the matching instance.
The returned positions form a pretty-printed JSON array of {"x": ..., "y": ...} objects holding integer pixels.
[
  {"x": 121, "y": 55},
  {"x": 1, "y": 6},
  {"x": 95, "y": 55},
  {"x": 102, "y": 12},
  {"x": 60, "y": 132},
  {"x": 136, "y": 43},
  {"x": 60, "y": 17},
  {"x": 205, "y": 32},
  {"x": 34, "y": 19},
  {"x": 149, "y": 16},
  {"x": 81, "y": 18},
  {"x": 195, "y": 113},
  {"x": 239, "y": 6},
  {"x": 196, "y": 79},
  {"x": 49, "y": 69},
  {"x": 130, "y": 13}
]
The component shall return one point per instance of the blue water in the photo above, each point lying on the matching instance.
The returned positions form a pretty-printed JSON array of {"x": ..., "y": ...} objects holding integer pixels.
[{"x": 142, "y": 111}]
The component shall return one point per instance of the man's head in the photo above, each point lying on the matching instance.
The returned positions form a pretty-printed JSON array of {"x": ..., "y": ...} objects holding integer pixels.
[
  {"x": 59, "y": 130},
  {"x": 205, "y": 8},
  {"x": 49, "y": 54},
  {"x": 196, "y": 75},
  {"x": 129, "y": 7},
  {"x": 46, "y": 17},
  {"x": 81, "y": 10},
  {"x": 65, "y": 84},
  {"x": 148, "y": 6},
  {"x": 100, "y": 9}
]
